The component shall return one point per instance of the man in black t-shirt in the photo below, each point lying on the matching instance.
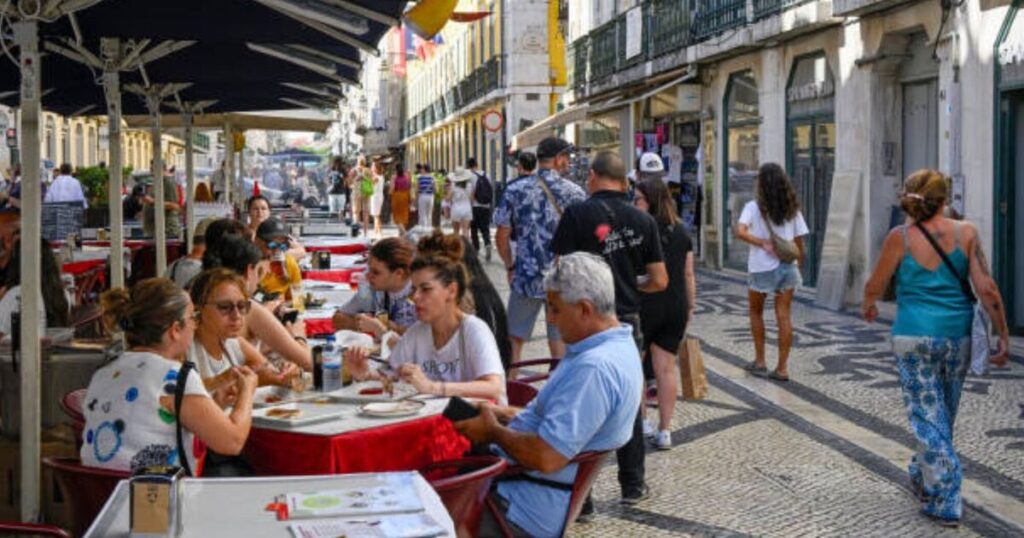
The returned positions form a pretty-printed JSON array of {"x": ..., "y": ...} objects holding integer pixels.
[{"x": 607, "y": 225}]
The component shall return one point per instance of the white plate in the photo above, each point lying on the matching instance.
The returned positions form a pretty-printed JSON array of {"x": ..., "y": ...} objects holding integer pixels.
[
  {"x": 402, "y": 408},
  {"x": 319, "y": 409},
  {"x": 274, "y": 395},
  {"x": 351, "y": 393}
]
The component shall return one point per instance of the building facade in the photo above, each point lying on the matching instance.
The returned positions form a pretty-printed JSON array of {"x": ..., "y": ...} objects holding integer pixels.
[
  {"x": 485, "y": 81},
  {"x": 851, "y": 96}
]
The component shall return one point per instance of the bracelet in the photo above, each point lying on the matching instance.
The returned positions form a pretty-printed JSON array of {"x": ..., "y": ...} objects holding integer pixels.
[{"x": 301, "y": 339}]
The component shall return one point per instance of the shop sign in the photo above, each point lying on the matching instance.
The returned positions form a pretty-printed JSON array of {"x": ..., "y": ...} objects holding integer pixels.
[{"x": 811, "y": 90}]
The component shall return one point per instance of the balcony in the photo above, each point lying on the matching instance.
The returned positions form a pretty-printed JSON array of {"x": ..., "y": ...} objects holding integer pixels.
[
  {"x": 716, "y": 16},
  {"x": 474, "y": 86},
  {"x": 843, "y": 8}
]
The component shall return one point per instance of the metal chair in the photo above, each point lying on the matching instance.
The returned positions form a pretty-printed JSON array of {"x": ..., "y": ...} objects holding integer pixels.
[
  {"x": 588, "y": 465},
  {"x": 85, "y": 488},
  {"x": 516, "y": 366},
  {"x": 519, "y": 393},
  {"x": 16, "y": 528},
  {"x": 72, "y": 404},
  {"x": 463, "y": 486}
]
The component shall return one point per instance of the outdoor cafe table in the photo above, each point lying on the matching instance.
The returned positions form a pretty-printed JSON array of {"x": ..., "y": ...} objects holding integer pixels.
[
  {"x": 318, "y": 320},
  {"x": 235, "y": 507},
  {"x": 343, "y": 268},
  {"x": 334, "y": 245},
  {"x": 356, "y": 444}
]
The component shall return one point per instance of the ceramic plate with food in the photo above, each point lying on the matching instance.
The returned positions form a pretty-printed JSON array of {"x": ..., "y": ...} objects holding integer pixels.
[
  {"x": 400, "y": 408},
  {"x": 295, "y": 414}
]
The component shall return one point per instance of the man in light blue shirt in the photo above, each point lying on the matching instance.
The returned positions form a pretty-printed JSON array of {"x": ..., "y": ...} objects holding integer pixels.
[{"x": 589, "y": 403}]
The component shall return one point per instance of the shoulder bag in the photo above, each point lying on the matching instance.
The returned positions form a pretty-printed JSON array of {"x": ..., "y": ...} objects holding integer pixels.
[
  {"x": 550, "y": 196},
  {"x": 785, "y": 250},
  {"x": 179, "y": 395},
  {"x": 981, "y": 325}
]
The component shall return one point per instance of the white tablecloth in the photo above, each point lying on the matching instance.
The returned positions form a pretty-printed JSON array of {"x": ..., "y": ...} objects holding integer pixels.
[
  {"x": 235, "y": 507},
  {"x": 351, "y": 420}
]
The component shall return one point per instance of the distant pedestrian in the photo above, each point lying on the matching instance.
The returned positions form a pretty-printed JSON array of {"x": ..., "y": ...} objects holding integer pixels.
[
  {"x": 376, "y": 196},
  {"x": 458, "y": 197},
  {"x": 627, "y": 238},
  {"x": 936, "y": 261},
  {"x": 664, "y": 315},
  {"x": 771, "y": 220},
  {"x": 65, "y": 188},
  {"x": 530, "y": 209},
  {"x": 481, "y": 190},
  {"x": 357, "y": 177},
  {"x": 337, "y": 196},
  {"x": 425, "y": 196},
  {"x": 219, "y": 181},
  {"x": 400, "y": 188}
]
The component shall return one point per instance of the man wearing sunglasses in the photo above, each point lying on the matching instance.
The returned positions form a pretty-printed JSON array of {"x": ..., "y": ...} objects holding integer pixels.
[{"x": 272, "y": 238}]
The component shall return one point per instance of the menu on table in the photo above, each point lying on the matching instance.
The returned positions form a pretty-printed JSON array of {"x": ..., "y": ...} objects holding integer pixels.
[
  {"x": 394, "y": 494},
  {"x": 396, "y": 526}
]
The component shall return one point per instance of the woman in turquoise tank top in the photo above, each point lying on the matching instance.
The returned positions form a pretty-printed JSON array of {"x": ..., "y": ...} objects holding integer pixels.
[{"x": 931, "y": 333}]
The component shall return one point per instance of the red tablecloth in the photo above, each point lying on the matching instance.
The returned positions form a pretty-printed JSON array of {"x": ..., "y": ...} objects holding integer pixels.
[
  {"x": 319, "y": 326},
  {"x": 354, "y": 248},
  {"x": 343, "y": 276},
  {"x": 406, "y": 446},
  {"x": 77, "y": 268}
]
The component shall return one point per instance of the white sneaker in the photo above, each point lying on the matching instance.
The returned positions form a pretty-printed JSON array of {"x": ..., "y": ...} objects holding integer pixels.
[
  {"x": 649, "y": 429},
  {"x": 662, "y": 440}
]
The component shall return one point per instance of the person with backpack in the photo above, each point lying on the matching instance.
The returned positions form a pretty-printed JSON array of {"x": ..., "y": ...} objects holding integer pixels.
[{"x": 481, "y": 192}]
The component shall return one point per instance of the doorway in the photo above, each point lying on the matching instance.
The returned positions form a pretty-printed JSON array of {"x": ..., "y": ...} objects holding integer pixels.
[
  {"x": 920, "y": 125},
  {"x": 812, "y": 161},
  {"x": 1010, "y": 208}
]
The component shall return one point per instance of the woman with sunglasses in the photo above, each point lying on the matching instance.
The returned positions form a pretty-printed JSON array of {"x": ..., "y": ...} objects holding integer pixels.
[
  {"x": 221, "y": 306},
  {"x": 284, "y": 273},
  {"x": 130, "y": 415},
  {"x": 258, "y": 209},
  {"x": 262, "y": 328},
  {"x": 446, "y": 352}
]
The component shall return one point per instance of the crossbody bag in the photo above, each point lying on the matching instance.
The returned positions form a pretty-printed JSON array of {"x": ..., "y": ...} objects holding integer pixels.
[
  {"x": 179, "y": 395},
  {"x": 981, "y": 325},
  {"x": 785, "y": 250}
]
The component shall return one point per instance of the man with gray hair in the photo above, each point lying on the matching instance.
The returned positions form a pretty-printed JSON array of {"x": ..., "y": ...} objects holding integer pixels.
[{"x": 588, "y": 404}]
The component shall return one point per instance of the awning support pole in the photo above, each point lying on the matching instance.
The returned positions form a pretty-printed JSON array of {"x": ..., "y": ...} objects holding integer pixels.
[
  {"x": 111, "y": 50},
  {"x": 153, "y": 98},
  {"x": 27, "y": 38},
  {"x": 190, "y": 196},
  {"x": 229, "y": 163}
]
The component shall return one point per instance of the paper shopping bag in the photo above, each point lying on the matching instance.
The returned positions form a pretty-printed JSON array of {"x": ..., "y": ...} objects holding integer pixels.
[{"x": 691, "y": 370}]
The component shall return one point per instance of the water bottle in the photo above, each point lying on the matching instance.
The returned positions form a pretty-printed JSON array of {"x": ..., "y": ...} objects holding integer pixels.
[{"x": 331, "y": 358}]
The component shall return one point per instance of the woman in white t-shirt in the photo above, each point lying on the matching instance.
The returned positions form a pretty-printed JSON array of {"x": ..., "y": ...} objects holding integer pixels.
[
  {"x": 776, "y": 206},
  {"x": 130, "y": 415},
  {"x": 221, "y": 304},
  {"x": 446, "y": 352}
]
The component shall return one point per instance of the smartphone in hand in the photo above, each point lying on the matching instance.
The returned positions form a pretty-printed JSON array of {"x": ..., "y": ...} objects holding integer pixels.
[{"x": 459, "y": 409}]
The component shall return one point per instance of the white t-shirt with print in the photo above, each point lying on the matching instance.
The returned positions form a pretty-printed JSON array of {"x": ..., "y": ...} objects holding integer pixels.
[
  {"x": 125, "y": 426},
  {"x": 210, "y": 367},
  {"x": 758, "y": 259},
  {"x": 469, "y": 354},
  {"x": 10, "y": 303}
]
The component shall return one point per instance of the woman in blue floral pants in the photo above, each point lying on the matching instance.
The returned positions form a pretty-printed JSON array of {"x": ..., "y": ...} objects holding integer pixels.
[{"x": 931, "y": 257}]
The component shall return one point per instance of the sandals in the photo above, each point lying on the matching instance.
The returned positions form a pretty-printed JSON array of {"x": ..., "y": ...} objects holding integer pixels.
[
  {"x": 758, "y": 370},
  {"x": 777, "y": 376}
]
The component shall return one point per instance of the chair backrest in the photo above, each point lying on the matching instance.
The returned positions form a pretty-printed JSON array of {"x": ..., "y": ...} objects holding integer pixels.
[
  {"x": 16, "y": 528},
  {"x": 88, "y": 285},
  {"x": 588, "y": 464},
  {"x": 519, "y": 393},
  {"x": 552, "y": 363},
  {"x": 463, "y": 486},
  {"x": 71, "y": 403},
  {"x": 85, "y": 488}
]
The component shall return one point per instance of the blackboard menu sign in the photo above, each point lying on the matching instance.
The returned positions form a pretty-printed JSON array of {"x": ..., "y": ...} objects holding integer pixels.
[{"x": 60, "y": 219}]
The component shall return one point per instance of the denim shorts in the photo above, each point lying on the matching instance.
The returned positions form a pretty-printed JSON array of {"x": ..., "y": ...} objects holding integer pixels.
[
  {"x": 784, "y": 277},
  {"x": 522, "y": 315}
]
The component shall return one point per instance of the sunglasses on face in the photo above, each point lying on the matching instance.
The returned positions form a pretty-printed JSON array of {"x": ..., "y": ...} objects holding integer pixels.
[
  {"x": 278, "y": 245},
  {"x": 226, "y": 308}
]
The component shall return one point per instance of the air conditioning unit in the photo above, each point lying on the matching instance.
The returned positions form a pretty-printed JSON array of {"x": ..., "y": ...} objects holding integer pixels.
[{"x": 688, "y": 97}]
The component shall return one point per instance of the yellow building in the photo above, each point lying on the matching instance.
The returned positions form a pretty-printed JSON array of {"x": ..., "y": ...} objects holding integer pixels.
[{"x": 485, "y": 81}]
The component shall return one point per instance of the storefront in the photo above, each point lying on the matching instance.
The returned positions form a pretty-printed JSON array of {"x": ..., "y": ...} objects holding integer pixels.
[
  {"x": 1009, "y": 159},
  {"x": 742, "y": 140},
  {"x": 811, "y": 147}
]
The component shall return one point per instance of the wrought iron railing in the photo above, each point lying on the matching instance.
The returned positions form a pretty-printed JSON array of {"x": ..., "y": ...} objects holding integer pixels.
[
  {"x": 603, "y": 44},
  {"x": 716, "y": 16},
  {"x": 669, "y": 26},
  {"x": 580, "y": 51}
]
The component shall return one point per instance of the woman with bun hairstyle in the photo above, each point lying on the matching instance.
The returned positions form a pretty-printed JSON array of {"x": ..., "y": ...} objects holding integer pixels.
[
  {"x": 775, "y": 209},
  {"x": 262, "y": 328},
  {"x": 931, "y": 333},
  {"x": 482, "y": 300},
  {"x": 447, "y": 352},
  {"x": 130, "y": 418}
]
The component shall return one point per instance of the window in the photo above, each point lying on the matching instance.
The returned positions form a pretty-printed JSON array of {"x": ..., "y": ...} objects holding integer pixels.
[{"x": 742, "y": 141}]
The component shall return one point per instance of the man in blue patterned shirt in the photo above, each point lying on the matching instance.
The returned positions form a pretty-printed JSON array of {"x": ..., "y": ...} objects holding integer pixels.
[{"x": 530, "y": 209}]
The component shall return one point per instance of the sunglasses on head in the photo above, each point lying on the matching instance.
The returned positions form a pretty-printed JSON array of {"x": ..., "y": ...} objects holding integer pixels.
[{"x": 226, "y": 308}]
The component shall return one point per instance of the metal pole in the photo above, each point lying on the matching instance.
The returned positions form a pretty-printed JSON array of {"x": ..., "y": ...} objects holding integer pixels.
[
  {"x": 190, "y": 180},
  {"x": 229, "y": 163},
  {"x": 241, "y": 174},
  {"x": 26, "y": 36},
  {"x": 112, "y": 89},
  {"x": 159, "y": 212}
]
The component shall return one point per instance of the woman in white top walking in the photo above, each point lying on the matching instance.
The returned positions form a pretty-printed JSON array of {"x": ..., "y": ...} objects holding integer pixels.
[
  {"x": 774, "y": 227},
  {"x": 458, "y": 198}
]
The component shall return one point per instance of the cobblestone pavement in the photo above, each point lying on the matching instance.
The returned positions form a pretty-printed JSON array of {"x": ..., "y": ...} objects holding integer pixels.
[{"x": 822, "y": 455}]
